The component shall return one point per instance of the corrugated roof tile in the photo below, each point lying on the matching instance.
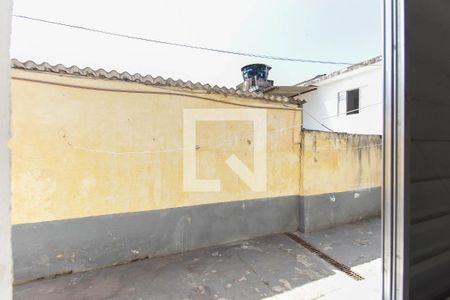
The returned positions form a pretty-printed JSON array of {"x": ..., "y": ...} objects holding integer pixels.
[{"x": 147, "y": 79}]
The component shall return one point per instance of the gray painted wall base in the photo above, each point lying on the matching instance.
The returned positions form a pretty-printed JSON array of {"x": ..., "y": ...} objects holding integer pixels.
[
  {"x": 328, "y": 210},
  {"x": 57, "y": 247}
]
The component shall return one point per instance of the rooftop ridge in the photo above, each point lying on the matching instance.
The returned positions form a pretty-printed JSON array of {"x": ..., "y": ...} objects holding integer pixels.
[
  {"x": 322, "y": 77},
  {"x": 146, "y": 79}
]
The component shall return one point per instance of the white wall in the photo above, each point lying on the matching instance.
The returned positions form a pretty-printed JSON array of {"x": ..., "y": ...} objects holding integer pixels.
[
  {"x": 322, "y": 103},
  {"x": 5, "y": 191}
]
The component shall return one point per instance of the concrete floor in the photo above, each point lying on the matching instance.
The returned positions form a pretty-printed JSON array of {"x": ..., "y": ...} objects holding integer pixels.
[{"x": 273, "y": 267}]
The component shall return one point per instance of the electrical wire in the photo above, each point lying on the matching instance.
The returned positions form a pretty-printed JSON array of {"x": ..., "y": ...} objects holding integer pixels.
[
  {"x": 283, "y": 106},
  {"x": 110, "y": 33},
  {"x": 187, "y": 95},
  {"x": 215, "y": 145},
  {"x": 350, "y": 111},
  {"x": 334, "y": 116},
  {"x": 233, "y": 140},
  {"x": 315, "y": 119},
  {"x": 191, "y": 96}
]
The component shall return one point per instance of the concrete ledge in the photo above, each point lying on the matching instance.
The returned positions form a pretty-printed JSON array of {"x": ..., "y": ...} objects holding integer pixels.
[
  {"x": 57, "y": 247},
  {"x": 328, "y": 210}
]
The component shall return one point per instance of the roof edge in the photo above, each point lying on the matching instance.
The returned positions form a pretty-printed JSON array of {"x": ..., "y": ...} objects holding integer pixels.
[
  {"x": 147, "y": 80},
  {"x": 323, "y": 77}
]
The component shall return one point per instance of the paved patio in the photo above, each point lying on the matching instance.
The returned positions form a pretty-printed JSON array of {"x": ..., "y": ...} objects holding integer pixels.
[{"x": 271, "y": 267}]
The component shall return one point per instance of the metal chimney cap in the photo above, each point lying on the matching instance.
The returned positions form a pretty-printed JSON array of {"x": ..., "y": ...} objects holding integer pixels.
[
  {"x": 257, "y": 66},
  {"x": 258, "y": 71}
]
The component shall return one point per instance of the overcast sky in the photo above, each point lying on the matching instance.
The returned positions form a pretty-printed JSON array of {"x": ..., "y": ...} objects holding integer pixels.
[{"x": 336, "y": 30}]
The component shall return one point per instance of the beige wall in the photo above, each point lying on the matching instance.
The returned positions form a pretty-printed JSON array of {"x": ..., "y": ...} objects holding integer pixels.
[
  {"x": 339, "y": 162},
  {"x": 86, "y": 147}
]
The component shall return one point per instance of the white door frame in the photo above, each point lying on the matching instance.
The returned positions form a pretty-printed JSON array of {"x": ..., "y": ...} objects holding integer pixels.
[
  {"x": 5, "y": 181},
  {"x": 395, "y": 173}
]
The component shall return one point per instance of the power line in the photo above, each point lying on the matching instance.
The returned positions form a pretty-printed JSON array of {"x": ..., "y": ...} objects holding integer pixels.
[
  {"x": 334, "y": 116},
  {"x": 203, "y": 98},
  {"x": 193, "y": 96},
  {"x": 190, "y": 95},
  {"x": 278, "y": 130},
  {"x": 315, "y": 119},
  {"x": 217, "y": 145},
  {"x": 178, "y": 149},
  {"x": 350, "y": 111},
  {"x": 263, "y": 56}
]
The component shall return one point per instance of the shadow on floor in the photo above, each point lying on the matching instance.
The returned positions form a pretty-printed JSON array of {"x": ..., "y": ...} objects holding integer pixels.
[{"x": 253, "y": 269}]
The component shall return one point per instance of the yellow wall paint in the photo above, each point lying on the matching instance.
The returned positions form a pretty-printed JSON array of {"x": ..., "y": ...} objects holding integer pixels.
[
  {"x": 339, "y": 162},
  {"x": 80, "y": 152}
]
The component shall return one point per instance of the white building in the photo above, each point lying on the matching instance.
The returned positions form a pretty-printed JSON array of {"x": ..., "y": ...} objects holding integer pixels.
[{"x": 348, "y": 100}]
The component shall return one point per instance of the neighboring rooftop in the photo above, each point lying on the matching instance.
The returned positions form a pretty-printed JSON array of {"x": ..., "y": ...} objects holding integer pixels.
[
  {"x": 155, "y": 81},
  {"x": 351, "y": 68}
]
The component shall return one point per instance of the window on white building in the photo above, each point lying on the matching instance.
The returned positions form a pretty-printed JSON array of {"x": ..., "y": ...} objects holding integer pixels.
[{"x": 348, "y": 102}]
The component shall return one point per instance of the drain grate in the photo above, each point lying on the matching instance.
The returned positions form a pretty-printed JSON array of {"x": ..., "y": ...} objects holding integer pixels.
[{"x": 331, "y": 261}]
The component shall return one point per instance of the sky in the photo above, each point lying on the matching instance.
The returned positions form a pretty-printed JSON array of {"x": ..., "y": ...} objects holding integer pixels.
[{"x": 332, "y": 30}]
